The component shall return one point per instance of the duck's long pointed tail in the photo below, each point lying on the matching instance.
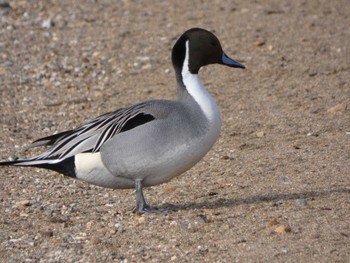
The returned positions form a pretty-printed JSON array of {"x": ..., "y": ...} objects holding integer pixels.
[{"x": 65, "y": 166}]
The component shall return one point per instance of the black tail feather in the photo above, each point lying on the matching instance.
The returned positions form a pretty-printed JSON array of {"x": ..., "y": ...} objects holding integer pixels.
[{"x": 65, "y": 167}]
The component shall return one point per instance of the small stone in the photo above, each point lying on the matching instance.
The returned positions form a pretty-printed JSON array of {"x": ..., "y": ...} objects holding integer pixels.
[
  {"x": 284, "y": 180},
  {"x": 204, "y": 218},
  {"x": 143, "y": 59},
  {"x": 345, "y": 105},
  {"x": 312, "y": 73},
  {"x": 260, "y": 134},
  {"x": 301, "y": 202},
  {"x": 47, "y": 24},
  {"x": 147, "y": 66},
  {"x": 118, "y": 225},
  {"x": 23, "y": 215},
  {"x": 22, "y": 204},
  {"x": 312, "y": 134},
  {"x": 141, "y": 220},
  {"x": 259, "y": 43},
  {"x": 225, "y": 157},
  {"x": 283, "y": 229},
  {"x": 98, "y": 94},
  {"x": 229, "y": 156},
  {"x": 96, "y": 54}
]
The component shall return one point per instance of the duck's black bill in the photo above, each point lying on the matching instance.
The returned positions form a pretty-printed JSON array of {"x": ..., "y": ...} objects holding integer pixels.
[{"x": 230, "y": 62}]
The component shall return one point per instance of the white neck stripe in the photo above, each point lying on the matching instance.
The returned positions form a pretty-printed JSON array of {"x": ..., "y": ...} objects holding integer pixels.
[{"x": 196, "y": 89}]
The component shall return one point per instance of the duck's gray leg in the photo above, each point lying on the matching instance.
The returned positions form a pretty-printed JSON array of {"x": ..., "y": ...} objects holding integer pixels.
[{"x": 141, "y": 206}]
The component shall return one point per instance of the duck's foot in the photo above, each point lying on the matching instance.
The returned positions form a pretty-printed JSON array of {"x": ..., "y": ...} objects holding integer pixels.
[
  {"x": 146, "y": 209},
  {"x": 153, "y": 210},
  {"x": 143, "y": 208}
]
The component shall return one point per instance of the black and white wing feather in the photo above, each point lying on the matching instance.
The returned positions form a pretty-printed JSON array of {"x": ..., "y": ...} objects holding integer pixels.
[{"x": 91, "y": 136}]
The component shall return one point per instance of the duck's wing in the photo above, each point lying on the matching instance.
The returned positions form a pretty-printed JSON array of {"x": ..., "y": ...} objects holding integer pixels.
[{"x": 89, "y": 137}]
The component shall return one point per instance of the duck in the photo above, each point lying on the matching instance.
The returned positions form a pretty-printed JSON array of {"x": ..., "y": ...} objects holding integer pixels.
[{"x": 148, "y": 143}]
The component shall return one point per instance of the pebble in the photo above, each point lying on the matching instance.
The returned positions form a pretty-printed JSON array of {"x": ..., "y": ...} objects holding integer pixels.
[
  {"x": 228, "y": 157},
  {"x": 301, "y": 202},
  {"x": 312, "y": 73},
  {"x": 345, "y": 105},
  {"x": 147, "y": 66},
  {"x": 22, "y": 204},
  {"x": 259, "y": 43},
  {"x": 123, "y": 20},
  {"x": 24, "y": 215},
  {"x": 260, "y": 134},
  {"x": 141, "y": 220},
  {"x": 283, "y": 229},
  {"x": 13, "y": 240},
  {"x": 47, "y": 24},
  {"x": 118, "y": 225},
  {"x": 284, "y": 180}
]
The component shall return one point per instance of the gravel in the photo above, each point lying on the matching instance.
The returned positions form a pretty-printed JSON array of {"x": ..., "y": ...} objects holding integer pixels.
[{"x": 274, "y": 188}]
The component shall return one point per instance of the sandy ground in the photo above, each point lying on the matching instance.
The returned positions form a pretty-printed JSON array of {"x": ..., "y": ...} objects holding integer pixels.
[{"x": 274, "y": 188}]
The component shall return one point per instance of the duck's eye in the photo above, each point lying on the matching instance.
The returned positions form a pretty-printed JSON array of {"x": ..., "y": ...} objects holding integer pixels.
[{"x": 213, "y": 43}]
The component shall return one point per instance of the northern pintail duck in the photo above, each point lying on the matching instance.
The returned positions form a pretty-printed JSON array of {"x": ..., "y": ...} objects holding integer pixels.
[{"x": 148, "y": 143}]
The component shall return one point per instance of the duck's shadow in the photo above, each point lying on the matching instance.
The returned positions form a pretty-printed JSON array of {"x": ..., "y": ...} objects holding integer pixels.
[{"x": 224, "y": 202}]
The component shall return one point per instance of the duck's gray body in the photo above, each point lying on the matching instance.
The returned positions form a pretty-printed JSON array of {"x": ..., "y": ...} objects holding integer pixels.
[
  {"x": 178, "y": 137},
  {"x": 148, "y": 143}
]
